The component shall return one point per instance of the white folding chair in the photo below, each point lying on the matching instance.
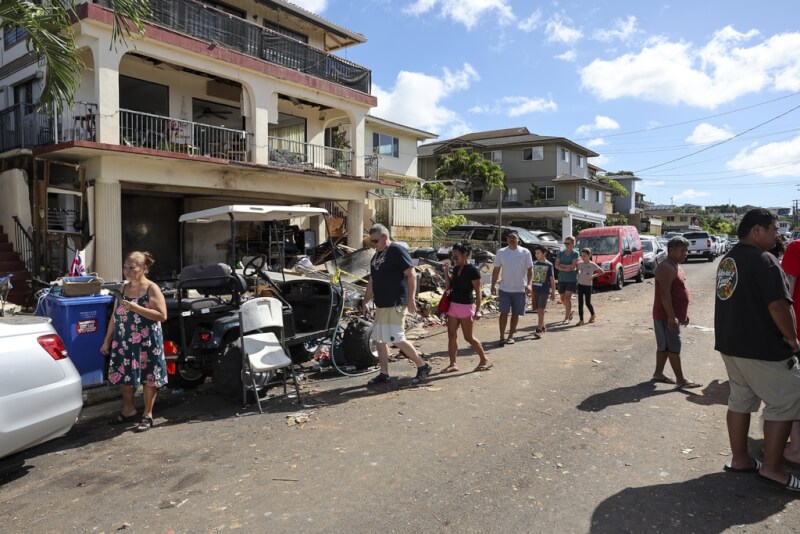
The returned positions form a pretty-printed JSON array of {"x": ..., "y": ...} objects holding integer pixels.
[{"x": 263, "y": 352}]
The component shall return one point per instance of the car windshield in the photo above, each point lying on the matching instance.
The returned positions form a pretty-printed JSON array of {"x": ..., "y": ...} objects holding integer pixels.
[
  {"x": 695, "y": 235},
  {"x": 608, "y": 244},
  {"x": 647, "y": 245},
  {"x": 550, "y": 238}
]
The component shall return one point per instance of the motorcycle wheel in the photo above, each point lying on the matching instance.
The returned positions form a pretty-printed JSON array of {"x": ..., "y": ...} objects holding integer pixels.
[
  {"x": 227, "y": 375},
  {"x": 356, "y": 347}
]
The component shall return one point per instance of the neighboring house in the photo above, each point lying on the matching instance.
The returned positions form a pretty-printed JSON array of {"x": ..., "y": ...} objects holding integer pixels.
[
  {"x": 673, "y": 221},
  {"x": 626, "y": 204},
  {"x": 235, "y": 102},
  {"x": 391, "y": 150},
  {"x": 547, "y": 178}
]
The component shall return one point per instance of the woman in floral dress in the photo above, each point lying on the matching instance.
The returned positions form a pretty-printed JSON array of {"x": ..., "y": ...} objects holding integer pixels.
[{"x": 135, "y": 342}]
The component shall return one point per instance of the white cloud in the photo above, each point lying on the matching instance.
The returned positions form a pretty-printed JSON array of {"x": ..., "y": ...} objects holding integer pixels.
[
  {"x": 597, "y": 141},
  {"x": 315, "y": 6},
  {"x": 532, "y": 22},
  {"x": 514, "y": 106},
  {"x": 705, "y": 134},
  {"x": 622, "y": 30},
  {"x": 600, "y": 161},
  {"x": 720, "y": 71},
  {"x": 466, "y": 12},
  {"x": 772, "y": 159},
  {"x": 690, "y": 194},
  {"x": 601, "y": 122},
  {"x": 559, "y": 30},
  {"x": 417, "y": 100},
  {"x": 569, "y": 55}
]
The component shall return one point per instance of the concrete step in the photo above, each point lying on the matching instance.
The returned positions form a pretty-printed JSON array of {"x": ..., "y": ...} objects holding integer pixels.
[
  {"x": 8, "y": 255},
  {"x": 11, "y": 266},
  {"x": 6, "y": 247},
  {"x": 3, "y": 238}
]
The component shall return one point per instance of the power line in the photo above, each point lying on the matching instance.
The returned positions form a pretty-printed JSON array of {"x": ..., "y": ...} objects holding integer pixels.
[
  {"x": 719, "y": 143},
  {"x": 690, "y": 121}
]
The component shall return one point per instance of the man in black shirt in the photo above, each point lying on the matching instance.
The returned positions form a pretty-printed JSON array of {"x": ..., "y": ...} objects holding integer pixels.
[
  {"x": 393, "y": 284},
  {"x": 755, "y": 333}
]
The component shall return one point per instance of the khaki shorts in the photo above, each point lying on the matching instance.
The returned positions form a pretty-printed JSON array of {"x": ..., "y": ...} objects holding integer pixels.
[
  {"x": 753, "y": 381},
  {"x": 389, "y": 325}
]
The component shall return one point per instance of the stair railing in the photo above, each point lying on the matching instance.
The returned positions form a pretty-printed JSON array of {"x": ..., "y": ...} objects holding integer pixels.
[{"x": 23, "y": 244}]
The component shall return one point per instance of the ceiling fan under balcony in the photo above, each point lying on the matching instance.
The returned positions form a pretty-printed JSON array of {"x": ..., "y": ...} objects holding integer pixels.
[{"x": 218, "y": 113}]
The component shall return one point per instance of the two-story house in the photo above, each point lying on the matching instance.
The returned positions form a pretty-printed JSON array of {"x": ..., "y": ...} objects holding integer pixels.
[
  {"x": 547, "y": 178},
  {"x": 235, "y": 101},
  {"x": 672, "y": 219}
]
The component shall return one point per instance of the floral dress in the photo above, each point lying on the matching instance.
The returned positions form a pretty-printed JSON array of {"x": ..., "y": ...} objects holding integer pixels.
[{"x": 137, "y": 348}]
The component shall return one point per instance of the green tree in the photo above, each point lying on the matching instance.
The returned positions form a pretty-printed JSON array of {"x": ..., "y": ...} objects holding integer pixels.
[
  {"x": 615, "y": 219},
  {"x": 472, "y": 167},
  {"x": 51, "y": 39},
  {"x": 618, "y": 189}
]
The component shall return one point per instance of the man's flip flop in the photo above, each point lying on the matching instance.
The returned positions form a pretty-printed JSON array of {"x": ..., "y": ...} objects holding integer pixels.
[
  {"x": 755, "y": 469},
  {"x": 449, "y": 369},
  {"x": 792, "y": 485},
  {"x": 665, "y": 380},
  {"x": 485, "y": 367},
  {"x": 689, "y": 385},
  {"x": 119, "y": 419}
]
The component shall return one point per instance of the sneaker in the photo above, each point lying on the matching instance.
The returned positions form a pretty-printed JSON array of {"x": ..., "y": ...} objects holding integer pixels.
[
  {"x": 539, "y": 330},
  {"x": 510, "y": 341},
  {"x": 422, "y": 374},
  {"x": 380, "y": 379}
]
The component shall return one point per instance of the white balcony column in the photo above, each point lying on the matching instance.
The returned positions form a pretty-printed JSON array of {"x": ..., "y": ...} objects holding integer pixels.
[
  {"x": 108, "y": 226},
  {"x": 358, "y": 143},
  {"x": 566, "y": 225},
  {"x": 264, "y": 102},
  {"x": 355, "y": 223},
  {"x": 106, "y": 90}
]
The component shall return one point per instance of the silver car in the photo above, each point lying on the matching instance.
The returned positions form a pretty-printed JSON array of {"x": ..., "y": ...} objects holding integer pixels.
[
  {"x": 40, "y": 389},
  {"x": 654, "y": 253}
]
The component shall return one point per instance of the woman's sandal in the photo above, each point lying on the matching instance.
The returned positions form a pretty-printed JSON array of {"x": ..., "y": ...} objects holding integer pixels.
[
  {"x": 145, "y": 424},
  {"x": 119, "y": 419}
]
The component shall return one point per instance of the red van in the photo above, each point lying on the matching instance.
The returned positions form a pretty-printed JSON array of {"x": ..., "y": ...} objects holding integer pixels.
[{"x": 618, "y": 250}]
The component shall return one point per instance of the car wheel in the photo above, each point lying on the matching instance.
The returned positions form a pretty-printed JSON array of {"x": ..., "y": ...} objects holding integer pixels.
[
  {"x": 186, "y": 377},
  {"x": 619, "y": 280},
  {"x": 711, "y": 258},
  {"x": 640, "y": 275}
]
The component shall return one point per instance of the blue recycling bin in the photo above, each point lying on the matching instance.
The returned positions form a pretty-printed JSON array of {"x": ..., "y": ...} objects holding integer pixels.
[{"x": 82, "y": 323}]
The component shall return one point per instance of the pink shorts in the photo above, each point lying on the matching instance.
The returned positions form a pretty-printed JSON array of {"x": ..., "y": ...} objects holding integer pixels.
[{"x": 461, "y": 311}]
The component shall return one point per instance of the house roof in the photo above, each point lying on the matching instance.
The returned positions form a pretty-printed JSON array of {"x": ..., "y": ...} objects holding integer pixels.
[
  {"x": 336, "y": 36},
  {"x": 408, "y": 130},
  {"x": 571, "y": 178},
  {"x": 498, "y": 138}
]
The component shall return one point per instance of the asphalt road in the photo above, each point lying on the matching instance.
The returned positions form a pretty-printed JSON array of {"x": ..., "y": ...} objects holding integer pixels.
[{"x": 564, "y": 434}]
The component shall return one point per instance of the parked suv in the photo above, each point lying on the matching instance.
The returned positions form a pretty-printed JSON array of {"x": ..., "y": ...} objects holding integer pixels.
[
  {"x": 484, "y": 236},
  {"x": 700, "y": 245}
]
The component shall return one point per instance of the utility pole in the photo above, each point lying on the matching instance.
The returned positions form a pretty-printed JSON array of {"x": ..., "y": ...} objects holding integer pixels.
[{"x": 794, "y": 215}]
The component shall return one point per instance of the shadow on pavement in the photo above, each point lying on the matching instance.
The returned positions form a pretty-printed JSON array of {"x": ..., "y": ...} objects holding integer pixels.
[
  {"x": 709, "y": 504},
  {"x": 624, "y": 395},
  {"x": 715, "y": 392}
]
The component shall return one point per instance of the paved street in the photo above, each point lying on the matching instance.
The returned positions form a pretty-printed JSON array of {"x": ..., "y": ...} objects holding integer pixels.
[{"x": 565, "y": 434}]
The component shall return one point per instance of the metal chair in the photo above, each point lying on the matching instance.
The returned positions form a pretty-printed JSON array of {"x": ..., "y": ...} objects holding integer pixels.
[{"x": 263, "y": 352}]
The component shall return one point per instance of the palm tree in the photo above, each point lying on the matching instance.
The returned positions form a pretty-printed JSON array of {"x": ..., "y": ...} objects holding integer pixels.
[{"x": 50, "y": 37}]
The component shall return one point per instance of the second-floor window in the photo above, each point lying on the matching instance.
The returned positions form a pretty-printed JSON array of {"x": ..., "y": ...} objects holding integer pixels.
[
  {"x": 534, "y": 153},
  {"x": 385, "y": 145},
  {"x": 511, "y": 194},
  {"x": 684, "y": 218},
  {"x": 578, "y": 160},
  {"x": 495, "y": 156},
  {"x": 598, "y": 197},
  {"x": 670, "y": 218},
  {"x": 286, "y": 31},
  {"x": 548, "y": 192},
  {"x": 13, "y": 35},
  {"x": 564, "y": 154},
  {"x": 584, "y": 193}
]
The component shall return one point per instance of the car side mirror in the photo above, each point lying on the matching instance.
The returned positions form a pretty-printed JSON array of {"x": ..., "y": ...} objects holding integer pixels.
[{"x": 626, "y": 251}]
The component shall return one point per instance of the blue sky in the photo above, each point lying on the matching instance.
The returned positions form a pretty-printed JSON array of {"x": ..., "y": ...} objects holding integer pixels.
[{"x": 647, "y": 85}]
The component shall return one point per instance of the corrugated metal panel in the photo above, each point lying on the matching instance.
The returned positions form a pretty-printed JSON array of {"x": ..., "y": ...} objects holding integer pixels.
[{"x": 411, "y": 212}]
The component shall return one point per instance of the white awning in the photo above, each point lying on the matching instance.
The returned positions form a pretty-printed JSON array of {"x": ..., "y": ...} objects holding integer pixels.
[
  {"x": 543, "y": 212},
  {"x": 242, "y": 212}
]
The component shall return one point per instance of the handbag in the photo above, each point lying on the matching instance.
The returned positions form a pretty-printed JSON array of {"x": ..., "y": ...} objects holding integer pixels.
[{"x": 444, "y": 303}]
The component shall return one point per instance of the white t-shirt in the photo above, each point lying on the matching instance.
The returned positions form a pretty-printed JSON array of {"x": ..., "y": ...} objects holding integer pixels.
[{"x": 514, "y": 268}]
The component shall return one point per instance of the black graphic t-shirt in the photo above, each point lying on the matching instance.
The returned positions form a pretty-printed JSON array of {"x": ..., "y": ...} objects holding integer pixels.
[
  {"x": 462, "y": 290},
  {"x": 748, "y": 279},
  {"x": 389, "y": 285}
]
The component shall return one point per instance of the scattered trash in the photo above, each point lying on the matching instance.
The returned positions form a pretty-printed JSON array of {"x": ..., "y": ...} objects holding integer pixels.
[
  {"x": 701, "y": 328},
  {"x": 597, "y": 361},
  {"x": 299, "y": 418}
]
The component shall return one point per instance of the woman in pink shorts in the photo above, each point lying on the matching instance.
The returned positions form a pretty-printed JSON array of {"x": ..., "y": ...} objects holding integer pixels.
[{"x": 464, "y": 284}]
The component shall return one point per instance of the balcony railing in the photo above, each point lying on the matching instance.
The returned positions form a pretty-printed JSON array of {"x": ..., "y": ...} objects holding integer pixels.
[
  {"x": 157, "y": 132},
  {"x": 298, "y": 155},
  {"x": 238, "y": 34}
]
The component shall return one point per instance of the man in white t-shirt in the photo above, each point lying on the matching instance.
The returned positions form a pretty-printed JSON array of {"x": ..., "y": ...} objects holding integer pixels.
[{"x": 516, "y": 265}]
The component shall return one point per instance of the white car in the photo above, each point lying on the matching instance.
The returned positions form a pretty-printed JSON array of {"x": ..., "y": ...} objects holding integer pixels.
[{"x": 40, "y": 389}]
